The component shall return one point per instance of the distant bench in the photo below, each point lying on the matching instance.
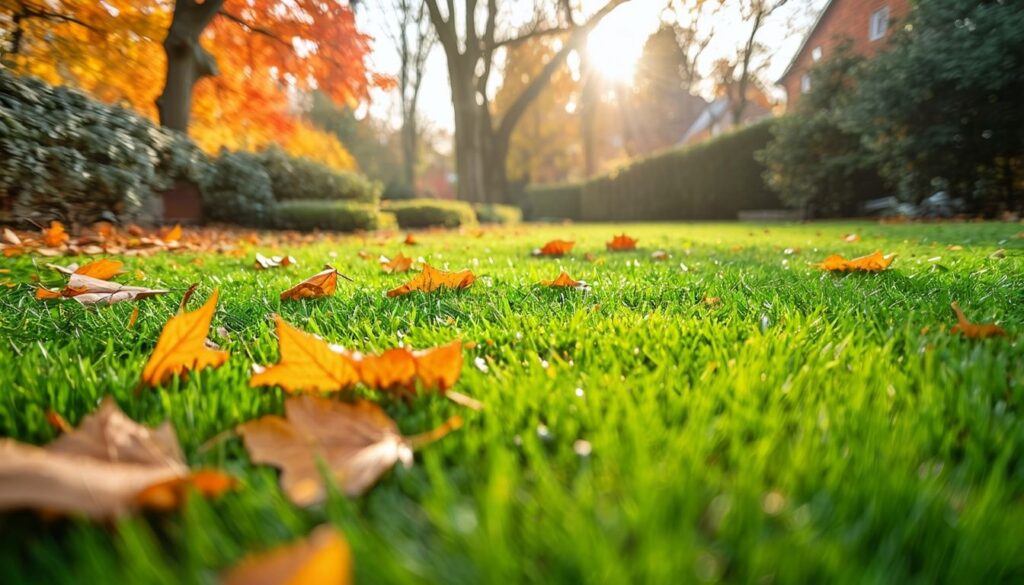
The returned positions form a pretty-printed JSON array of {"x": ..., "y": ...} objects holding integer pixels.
[{"x": 769, "y": 215}]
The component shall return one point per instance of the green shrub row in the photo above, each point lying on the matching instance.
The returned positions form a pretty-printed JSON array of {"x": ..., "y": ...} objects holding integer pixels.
[
  {"x": 294, "y": 177},
  {"x": 63, "y": 154},
  {"x": 342, "y": 216},
  {"x": 419, "y": 213},
  {"x": 712, "y": 180},
  {"x": 499, "y": 214}
]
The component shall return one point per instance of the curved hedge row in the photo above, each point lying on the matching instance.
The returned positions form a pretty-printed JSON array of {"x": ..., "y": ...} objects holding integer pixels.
[
  {"x": 418, "y": 213},
  {"x": 295, "y": 177}
]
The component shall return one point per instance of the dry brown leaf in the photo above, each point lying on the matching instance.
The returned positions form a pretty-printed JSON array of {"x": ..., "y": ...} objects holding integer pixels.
[
  {"x": 357, "y": 443},
  {"x": 306, "y": 363},
  {"x": 321, "y": 284},
  {"x": 974, "y": 330},
  {"x": 401, "y": 263},
  {"x": 263, "y": 262},
  {"x": 98, "y": 469},
  {"x": 90, "y": 291},
  {"x": 322, "y": 559},
  {"x": 431, "y": 279},
  {"x": 851, "y": 237},
  {"x": 621, "y": 243},
  {"x": 875, "y": 262},
  {"x": 182, "y": 346},
  {"x": 11, "y": 238},
  {"x": 555, "y": 248}
]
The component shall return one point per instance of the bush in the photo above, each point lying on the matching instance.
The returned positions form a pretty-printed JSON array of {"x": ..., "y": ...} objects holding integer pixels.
[
  {"x": 342, "y": 216},
  {"x": 237, "y": 189},
  {"x": 304, "y": 179},
  {"x": 417, "y": 213},
  {"x": 64, "y": 154},
  {"x": 495, "y": 213},
  {"x": 560, "y": 201},
  {"x": 712, "y": 180}
]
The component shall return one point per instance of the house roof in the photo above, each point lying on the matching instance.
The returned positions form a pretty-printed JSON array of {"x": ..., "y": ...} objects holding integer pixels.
[
  {"x": 708, "y": 116},
  {"x": 803, "y": 44}
]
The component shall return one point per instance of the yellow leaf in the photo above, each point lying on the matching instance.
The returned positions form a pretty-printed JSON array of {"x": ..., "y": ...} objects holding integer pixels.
[
  {"x": 322, "y": 559},
  {"x": 306, "y": 363},
  {"x": 182, "y": 346}
]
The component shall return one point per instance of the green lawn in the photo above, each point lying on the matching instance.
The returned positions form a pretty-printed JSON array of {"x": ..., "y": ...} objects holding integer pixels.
[{"x": 809, "y": 428}]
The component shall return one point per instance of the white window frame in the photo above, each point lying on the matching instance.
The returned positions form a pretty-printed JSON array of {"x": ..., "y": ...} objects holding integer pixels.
[
  {"x": 816, "y": 54},
  {"x": 805, "y": 83},
  {"x": 878, "y": 24}
]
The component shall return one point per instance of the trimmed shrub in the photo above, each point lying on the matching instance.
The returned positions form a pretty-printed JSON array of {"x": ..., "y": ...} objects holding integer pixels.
[
  {"x": 495, "y": 213},
  {"x": 417, "y": 213},
  {"x": 712, "y": 180},
  {"x": 237, "y": 189},
  {"x": 300, "y": 178},
  {"x": 546, "y": 202},
  {"x": 63, "y": 154},
  {"x": 342, "y": 216}
]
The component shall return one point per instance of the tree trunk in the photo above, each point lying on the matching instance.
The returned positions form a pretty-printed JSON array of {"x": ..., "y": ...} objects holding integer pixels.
[
  {"x": 470, "y": 137},
  {"x": 187, "y": 61}
]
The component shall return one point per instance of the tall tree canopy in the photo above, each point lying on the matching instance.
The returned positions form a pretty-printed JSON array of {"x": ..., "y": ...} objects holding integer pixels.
[{"x": 237, "y": 67}]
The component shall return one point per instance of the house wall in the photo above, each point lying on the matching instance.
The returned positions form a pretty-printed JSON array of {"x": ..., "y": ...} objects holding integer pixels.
[{"x": 842, "y": 20}]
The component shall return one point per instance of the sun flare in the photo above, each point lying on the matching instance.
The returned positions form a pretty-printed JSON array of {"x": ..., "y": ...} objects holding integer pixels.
[{"x": 615, "y": 46}]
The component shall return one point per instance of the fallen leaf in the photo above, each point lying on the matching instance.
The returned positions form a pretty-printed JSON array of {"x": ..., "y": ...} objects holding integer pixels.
[
  {"x": 55, "y": 236},
  {"x": 555, "y": 248},
  {"x": 172, "y": 235},
  {"x": 410, "y": 240},
  {"x": 955, "y": 248},
  {"x": 998, "y": 254},
  {"x": 322, "y": 558},
  {"x": 182, "y": 346},
  {"x": 357, "y": 443},
  {"x": 566, "y": 281},
  {"x": 712, "y": 301},
  {"x": 102, "y": 269},
  {"x": 437, "y": 368},
  {"x": 875, "y": 262},
  {"x": 321, "y": 284},
  {"x": 972, "y": 330},
  {"x": 306, "y": 363},
  {"x": 263, "y": 262},
  {"x": 621, "y": 243},
  {"x": 90, "y": 291},
  {"x": 431, "y": 279},
  {"x": 185, "y": 298},
  {"x": 11, "y": 238},
  {"x": 851, "y": 237},
  {"x": 660, "y": 255},
  {"x": 99, "y": 469},
  {"x": 401, "y": 263}
]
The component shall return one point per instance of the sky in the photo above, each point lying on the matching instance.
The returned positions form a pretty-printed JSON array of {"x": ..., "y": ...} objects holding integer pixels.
[{"x": 616, "y": 42}]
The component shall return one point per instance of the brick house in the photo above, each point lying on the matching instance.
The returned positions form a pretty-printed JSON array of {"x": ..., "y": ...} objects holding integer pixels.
[{"x": 867, "y": 24}]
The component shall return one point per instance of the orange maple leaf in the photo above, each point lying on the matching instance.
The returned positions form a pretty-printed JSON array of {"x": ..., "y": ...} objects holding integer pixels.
[
  {"x": 621, "y": 243},
  {"x": 321, "y": 284},
  {"x": 55, "y": 236},
  {"x": 431, "y": 279},
  {"x": 436, "y": 368},
  {"x": 172, "y": 235},
  {"x": 400, "y": 263},
  {"x": 564, "y": 280},
  {"x": 973, "y": 330},
  {"x": 410, "y": 240},
  {"x": 182, "y": 346},
  {"x": 555, "y": 248},
  {"x": 102, "y": 269},
  {"x": 323, "y": 557},
  {"x": 306, "y": 363},
  {"x": 875, "y": 262}
]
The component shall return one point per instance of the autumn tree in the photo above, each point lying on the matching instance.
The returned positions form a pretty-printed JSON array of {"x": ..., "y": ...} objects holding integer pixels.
[
  {"x": 544, "y": 145},
  {"x": 471, "y": 37},
  {"x": 414, "y": 38},
  {"x": 754, "y": 14}
]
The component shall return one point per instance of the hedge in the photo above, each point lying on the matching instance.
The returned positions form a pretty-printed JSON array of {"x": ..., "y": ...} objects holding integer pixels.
[
  {"x": 712, "y": 180},
  {"x": 63, "y": 154},
  {"x": 294, "y": 177},
  {"x": 545, "y": 202},
  {"x": 496, "y": 213},
  {"x": 417, "y": 213},
  {"x": 342, "y": 216},
  {"x": 237, "y": 189}
]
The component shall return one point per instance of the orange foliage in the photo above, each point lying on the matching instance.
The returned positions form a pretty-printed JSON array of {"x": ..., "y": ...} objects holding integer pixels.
[
  {"x": 555, "y": 248},
  {"x": 973, "y": 330},
  {"x": 431, "y": 279},
  {"x": 621, "y": 243},
  {"x": 871, "y": 263}
]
